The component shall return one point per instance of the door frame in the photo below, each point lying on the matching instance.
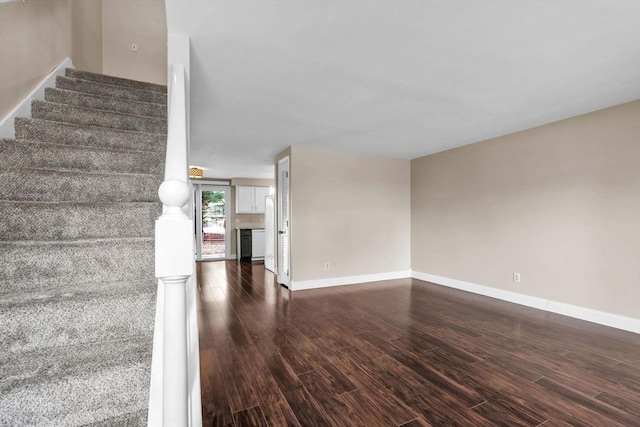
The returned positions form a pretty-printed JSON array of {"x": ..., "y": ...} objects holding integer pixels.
[{"x": 198, "y": 188}]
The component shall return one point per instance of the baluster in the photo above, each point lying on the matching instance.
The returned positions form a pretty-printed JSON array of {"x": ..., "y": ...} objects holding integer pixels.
[{"x": 174, "y": 266}]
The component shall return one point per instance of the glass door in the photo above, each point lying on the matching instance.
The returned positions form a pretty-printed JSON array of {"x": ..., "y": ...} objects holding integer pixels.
[{"x": 212, "y": 222}]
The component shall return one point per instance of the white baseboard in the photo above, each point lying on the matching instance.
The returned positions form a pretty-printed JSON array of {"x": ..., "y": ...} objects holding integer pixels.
[
  {"x": 348, "y": 280},
  {"x": 23, "y": 109},
  {"x": 590, "y": 315},
  {"x": 595, "y": 316}
]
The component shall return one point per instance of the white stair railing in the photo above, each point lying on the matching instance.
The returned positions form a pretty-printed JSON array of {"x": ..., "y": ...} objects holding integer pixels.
[{"x": 175, "y": 395}]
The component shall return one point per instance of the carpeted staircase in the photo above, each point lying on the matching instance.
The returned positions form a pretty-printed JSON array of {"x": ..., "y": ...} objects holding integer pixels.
[{"x": 78, "y": 200}]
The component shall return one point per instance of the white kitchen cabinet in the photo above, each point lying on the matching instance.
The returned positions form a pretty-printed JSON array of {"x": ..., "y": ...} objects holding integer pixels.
[
  {"x": 245, "y": 198},
  {"x": 250, "y": 200},
  {"x": 260, "y": 194}
]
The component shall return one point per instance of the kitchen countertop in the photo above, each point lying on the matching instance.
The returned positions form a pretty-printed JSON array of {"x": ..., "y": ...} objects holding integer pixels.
[{"x": 249, "y": 226}]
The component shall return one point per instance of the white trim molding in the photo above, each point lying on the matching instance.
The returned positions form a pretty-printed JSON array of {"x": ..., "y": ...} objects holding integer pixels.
[
  {"x": 23, "y": 109},
  {"x": 588, "y": 314},
  {"x": 298, "y": 285}
]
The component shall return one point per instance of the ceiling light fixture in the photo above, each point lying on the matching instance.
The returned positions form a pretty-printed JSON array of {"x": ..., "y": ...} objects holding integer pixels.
[{"x": 195, "y": 172}]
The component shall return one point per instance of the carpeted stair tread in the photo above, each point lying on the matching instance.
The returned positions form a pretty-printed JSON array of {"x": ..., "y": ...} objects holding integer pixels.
[
  {"x": 89, "y": 136},
  {"x": 62, "y": 96},
  {"x": 87, "y": 116},
  {"x": 43, "y": 364},
  {"x": 52, "y": 266},
  {"x": 104, "y": 288},
  {"x": 62, "y": 186},
  {"x": 65, "y": 221},
  {"x": 89, "y": 396},
  {"x": 115, "y": 81},
  {"x": 110, "y": 90},
  {"x": 35, "y": 154},
  {"x": 72, "y": 318},
  {"x": 78, "y": 202}
]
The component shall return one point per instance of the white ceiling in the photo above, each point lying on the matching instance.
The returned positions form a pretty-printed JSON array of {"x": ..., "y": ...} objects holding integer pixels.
[{"x": 394, "y": 78}]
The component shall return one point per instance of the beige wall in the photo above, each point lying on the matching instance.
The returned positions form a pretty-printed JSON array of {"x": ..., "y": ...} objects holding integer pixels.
[
  {"x": 86, "y": 40},
  {"x": 558, "y": 204},
  {"x": 96, "y": 34},
  {"x": 351, "y": 210},
  {"x": 34, "y": 38},
  {"x": 135, "y": 21}
]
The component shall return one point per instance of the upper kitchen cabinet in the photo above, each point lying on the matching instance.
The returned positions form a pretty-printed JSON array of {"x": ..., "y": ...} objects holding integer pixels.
[{"x": 250, "y": 200}]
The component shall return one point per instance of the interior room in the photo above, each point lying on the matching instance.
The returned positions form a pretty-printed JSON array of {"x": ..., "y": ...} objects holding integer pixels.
[{"x": 269, "y": 213}]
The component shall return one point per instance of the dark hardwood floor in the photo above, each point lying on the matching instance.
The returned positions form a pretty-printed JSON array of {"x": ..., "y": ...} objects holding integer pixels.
[{"x": 402, "y": 353}]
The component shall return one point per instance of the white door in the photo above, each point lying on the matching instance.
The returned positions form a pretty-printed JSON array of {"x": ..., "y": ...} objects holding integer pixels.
[
  {"x": 284, "y": 212},
  {"x": 270, "y": 234}
]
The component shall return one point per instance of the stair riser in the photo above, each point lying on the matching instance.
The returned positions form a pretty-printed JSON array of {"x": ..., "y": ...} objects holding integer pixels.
[
  {"x": 115, "y": 81},
  {"x": 62, "y": 133},
  {"x": 50, "y": 266},
  {"x": 50, "y": 156},
  {"x": 111, "y": 91},
  {"x": 37, "y": 221},
  {"x": 83, "y": 116},
  {"x": 103, "y": 103},
  {"x": 48, "y": 186}
]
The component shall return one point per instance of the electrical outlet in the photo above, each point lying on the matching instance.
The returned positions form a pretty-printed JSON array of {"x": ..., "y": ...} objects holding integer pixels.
[
  {"x": 516, "y": 277},
  {"x": 327, "y": 266},
  {"x": 134, "y": 47}
]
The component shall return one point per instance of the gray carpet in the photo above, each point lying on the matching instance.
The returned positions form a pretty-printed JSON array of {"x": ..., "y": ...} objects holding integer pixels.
[{"x": 78, "y": 200}]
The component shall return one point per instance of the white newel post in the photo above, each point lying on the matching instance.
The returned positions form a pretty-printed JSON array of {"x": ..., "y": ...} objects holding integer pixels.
[{"x": 174, "y": 266}]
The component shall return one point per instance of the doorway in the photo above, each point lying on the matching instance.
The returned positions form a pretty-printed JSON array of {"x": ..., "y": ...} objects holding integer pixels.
[
  {"x": 284, "y": 212},
  {"x": 212, "y": 222}
]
